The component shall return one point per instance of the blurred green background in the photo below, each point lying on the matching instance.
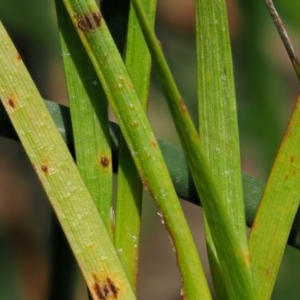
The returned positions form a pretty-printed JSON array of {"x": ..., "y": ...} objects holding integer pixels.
[{"x": 266, "y": 89}]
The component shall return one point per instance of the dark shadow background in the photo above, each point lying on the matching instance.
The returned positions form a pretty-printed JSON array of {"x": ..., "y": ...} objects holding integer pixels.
[{"x": 266, "y": 90}]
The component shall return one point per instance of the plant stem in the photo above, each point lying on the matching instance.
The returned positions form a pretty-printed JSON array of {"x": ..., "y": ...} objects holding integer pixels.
[{"x": 284, "y": 37}]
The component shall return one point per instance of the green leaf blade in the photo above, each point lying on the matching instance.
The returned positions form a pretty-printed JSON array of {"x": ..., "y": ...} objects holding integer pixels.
[
  {"x": 218, "y": 124},
  {"x": 88, "y": 108},
  {"x": 274, "y": 218}
]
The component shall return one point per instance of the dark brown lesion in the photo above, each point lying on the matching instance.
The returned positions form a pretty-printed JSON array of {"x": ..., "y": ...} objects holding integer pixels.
[
  {"x": 104, "y": 161},
  {"x": 112, "y": 287},
  {"x": 11, "y": 103},
  {"x": 104, "y": 290},
  {"x": 82, "y": 24},
  {"x": 89, "y": 21},
  {"x": 45, "y": 168},
  {"x": 97, "y": 18},
  {"x": 98, "y": 291}
]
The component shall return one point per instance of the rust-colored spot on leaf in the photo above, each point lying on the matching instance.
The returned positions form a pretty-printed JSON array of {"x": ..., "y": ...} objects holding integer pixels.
[
  {"x": 225, "y": 71},
  {"x": 104, "y": 161},
  {"x": 11, "y": 103},
  {"x": 97, "y": 288},
  {"x": 145, "y": 184},
  {"x": 98, "y": 291},
  {"x": 89, "y": 21},
  {"x": 292, "y": 158},
  {"x": 286, "y": 177},
  {"x": 172, "y": 240},
  {"x": 154, "y": 143},
  {"x": 182, "y": 106},
  {"x": 106, "y": 291},
  {"x": 112, "y": 287},
  {"x": 97, "y": 18},
  {"x": 18, "y": 56},
  {"x": 82, "y": 24},
  {"x": 44, "y": 168}
]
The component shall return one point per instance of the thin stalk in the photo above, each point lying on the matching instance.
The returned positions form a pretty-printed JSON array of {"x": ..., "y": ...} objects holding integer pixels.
[
  {"x": 88, "y": 108},
  {"x": 274, "y": 218},
  {"x": 218, "y": 125},
  {"x": 139, "y": 137},
  {"x": 229, "y": 250},
  {"x": 284, "y": 37},
  {"x": 59, "y": 175},
  {"x": 130, "y": 189}
]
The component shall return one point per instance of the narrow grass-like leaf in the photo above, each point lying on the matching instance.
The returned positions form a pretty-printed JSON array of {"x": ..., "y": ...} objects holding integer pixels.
[
  {"x": 129, "y": 194},
  {"x": 277, "y": 210},
  {"x": 88, "y": 108},
  {"x": 218, "y": 124},
  {"x": 229, "y": 250},
  {"x": 57, "y": 171},
  {"x": 140, "y": 139}
]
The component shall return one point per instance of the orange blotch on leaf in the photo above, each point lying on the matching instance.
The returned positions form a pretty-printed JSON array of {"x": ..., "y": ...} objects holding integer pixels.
[{"x": 183, "y": 106}]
